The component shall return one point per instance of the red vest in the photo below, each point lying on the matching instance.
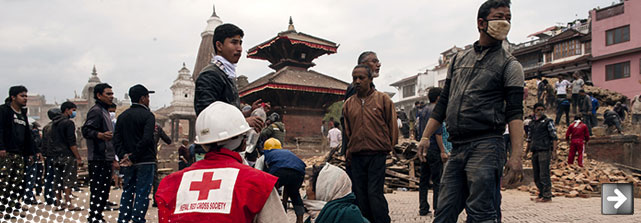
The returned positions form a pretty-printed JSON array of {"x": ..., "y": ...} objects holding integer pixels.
[{"x": 218, "y": 188}]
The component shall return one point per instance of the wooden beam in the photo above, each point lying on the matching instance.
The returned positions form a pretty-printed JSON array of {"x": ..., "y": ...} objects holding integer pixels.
[
  {"x": 412, "y": 174},
  {"x": 401, "y": 176}
]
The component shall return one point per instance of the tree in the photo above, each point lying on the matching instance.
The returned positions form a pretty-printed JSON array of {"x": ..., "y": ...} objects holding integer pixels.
[{"x": 334, "y": 111}]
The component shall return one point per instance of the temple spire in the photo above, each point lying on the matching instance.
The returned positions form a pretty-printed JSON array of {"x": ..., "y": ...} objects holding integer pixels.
[
  {"x": 94, "y": 73},
  {"x": 291, "y": 25},
  {"x": 214, "y": 14}
]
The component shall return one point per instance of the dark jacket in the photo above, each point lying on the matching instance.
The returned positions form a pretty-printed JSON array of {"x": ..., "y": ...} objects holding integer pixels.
[
  {"x": 8, "y": 135},
  {"x": 47, "y": 138},
  {"x": 37, "y": 140},
  {"x": 483, "y": 91},
  {"x": 541, "y": 137},
  {"x": 275, "y": 130},
  {"x": 135, "y": 134},
  {"x": 423, "y": 116},
  {"x": 214, "y": 85},
  {"x": 98, "y": 120},
  {"x": 585, "y": 105},
  {"x": 160, "y": 134},
  {"x": 64, "y": 137},
  {"x": 611, "y": 116}
]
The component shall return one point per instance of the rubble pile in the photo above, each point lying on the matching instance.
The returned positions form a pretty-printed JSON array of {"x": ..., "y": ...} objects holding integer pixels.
[
  {"x": 402, "y": 170},
  {"x": 605, "y": 96},
  {"x": 574, "y": 181}
]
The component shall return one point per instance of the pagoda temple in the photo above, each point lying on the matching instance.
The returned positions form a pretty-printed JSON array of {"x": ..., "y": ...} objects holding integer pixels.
[
  {"x": 300, "y": 95},
  {"x": 206, "y": 48}
]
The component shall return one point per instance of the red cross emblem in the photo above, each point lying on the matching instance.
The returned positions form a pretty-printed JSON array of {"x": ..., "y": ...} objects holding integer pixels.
[{"x": 203, "y": 187}]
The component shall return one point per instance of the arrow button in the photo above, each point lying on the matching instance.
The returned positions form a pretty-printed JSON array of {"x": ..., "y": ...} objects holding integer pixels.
[{"x": 620, "y": 198}]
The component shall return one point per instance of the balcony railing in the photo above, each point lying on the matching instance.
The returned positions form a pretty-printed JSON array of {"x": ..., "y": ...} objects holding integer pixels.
[
  {"x": 529, "y": 43},
  {"x": 532, "y": 65}
]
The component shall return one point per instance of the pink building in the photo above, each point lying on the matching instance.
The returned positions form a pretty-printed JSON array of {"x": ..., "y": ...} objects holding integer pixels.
[{"x": 616, "y": 47}]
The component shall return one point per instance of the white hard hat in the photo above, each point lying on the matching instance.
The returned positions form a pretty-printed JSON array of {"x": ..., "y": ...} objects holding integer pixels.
[{"x": 218, "y": 122}]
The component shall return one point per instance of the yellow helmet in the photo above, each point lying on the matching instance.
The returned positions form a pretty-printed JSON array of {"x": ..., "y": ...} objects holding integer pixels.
[{"x": 272, "y": 143}]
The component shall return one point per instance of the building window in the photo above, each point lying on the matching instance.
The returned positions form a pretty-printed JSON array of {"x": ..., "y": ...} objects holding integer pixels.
[
  {"x": 588, "y": 47},
  {"x": 617, "y": 71},
  {"x": 617, "y": 35},
  {"x": 408, "y": 90},
  {"x": 567, "y": 49},
  {"x": 548, "y": 57}
]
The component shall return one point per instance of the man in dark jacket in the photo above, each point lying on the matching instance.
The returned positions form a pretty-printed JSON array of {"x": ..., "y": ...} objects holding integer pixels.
[
  {"x": 483, "y": 91},
  {"x": 134, "y": 143},
  {"x": 585, "y": 108},
  {"x": 67, "y": 159},
  {"x": 98, "y": 131},
  {"x": 158, "y": 135},
  {"x": 49, "y": 155},
  {"x": 217, "y": 81},
  {"x": 275, "y": 129},
  {"x": 612, "y": 119},
  {"x": 542, "y": 141},
  {"x": 432, "y": 163},
  {"x": 15, "y": 144}
]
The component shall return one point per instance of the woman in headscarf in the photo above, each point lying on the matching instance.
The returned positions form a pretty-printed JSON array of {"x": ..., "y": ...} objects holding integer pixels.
[{"x": 330, "y": 198}]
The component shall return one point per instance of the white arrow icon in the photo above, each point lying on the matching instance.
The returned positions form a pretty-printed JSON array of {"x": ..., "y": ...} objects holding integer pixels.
[{"x": 620, "y": 198}]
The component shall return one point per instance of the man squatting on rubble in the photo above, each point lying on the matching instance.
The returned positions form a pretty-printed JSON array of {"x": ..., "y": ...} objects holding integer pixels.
[{"x": 483, "y": 90}]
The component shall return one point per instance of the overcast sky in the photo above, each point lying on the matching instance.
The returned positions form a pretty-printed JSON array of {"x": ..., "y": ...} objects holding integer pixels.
[{"x": 50, "y": 46}]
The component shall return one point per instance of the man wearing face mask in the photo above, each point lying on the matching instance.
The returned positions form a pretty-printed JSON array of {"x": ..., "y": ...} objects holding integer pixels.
[
  {"x": 67, "y": 159},
  {"x": 112, "y": 113},
  {"x": 483, "y": 91},
  {"x": 220, "y": 188}
]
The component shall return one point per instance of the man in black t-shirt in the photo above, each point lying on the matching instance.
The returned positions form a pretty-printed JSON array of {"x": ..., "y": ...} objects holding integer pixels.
[
  {"x": 15, "y": 144},
  {"x": 67, "y": 159}
]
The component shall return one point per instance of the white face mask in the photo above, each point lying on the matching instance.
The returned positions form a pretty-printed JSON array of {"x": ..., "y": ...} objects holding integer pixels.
[
  {"x": 112, "y": 115},
  {"x": 233, "y": 144},
  {"x": 498, "y": 29}
]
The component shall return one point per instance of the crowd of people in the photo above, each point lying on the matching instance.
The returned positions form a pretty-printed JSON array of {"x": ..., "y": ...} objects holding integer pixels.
[
  {"x": 584, "y": 104},
  {"x": 470, "y": 133}
]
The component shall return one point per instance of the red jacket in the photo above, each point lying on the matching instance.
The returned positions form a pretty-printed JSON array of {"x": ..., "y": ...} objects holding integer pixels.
[
  {"x": 218, "y": 188},
  {"x": 578, "y": 133}
]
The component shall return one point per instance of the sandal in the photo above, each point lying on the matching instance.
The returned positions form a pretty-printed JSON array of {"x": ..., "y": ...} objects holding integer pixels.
[
  {"x": 60, "y": 209},
  {"x": 75, "y": 209}
]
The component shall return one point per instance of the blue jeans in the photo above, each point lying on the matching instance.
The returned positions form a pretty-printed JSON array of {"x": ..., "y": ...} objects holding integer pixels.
[
  {"x": 471, "y": 180},
  {"x": 29, "y": 182},
  {"x": 49, "y": 194},
  {"x": 137, "y": 180}
]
